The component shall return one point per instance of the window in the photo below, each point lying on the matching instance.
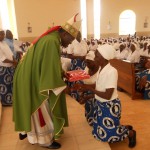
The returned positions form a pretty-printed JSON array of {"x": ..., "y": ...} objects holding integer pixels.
[
  {"x": 96, "y": 5},
  {"x": 83, "y": 18},
  {"x": 96, "y": 19},
  {"x": 8, "y": 17},
  {"x": 4, "y": 14},
  {"x": 127, "y": 22}
]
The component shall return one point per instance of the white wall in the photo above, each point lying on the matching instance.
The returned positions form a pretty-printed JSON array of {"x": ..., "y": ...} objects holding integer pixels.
[{"x": 42, "y": 13}]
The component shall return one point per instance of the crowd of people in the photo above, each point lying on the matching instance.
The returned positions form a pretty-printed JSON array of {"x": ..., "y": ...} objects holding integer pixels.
[
  {"x": 10, "y": 53},
  {"x": 35, "y": 84},
  {"x": 131, "y": 49}
]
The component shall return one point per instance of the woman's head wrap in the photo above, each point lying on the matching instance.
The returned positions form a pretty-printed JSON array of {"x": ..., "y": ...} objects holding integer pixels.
[{"x": 107, "y": 51}]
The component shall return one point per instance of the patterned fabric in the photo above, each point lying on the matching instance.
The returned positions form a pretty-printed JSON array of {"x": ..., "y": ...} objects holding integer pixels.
[
  {"x": 6, "y": 83},
  {"x": 146, "y": 90},
  {"x": 89, "y": 110},
  {"x": 74, "y": 93},
  {"x": 76, "y": 64},
  {"x": 106, "y": 125}
]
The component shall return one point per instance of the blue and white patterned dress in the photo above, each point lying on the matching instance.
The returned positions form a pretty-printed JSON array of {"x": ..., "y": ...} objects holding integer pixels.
[
  {"x": 76, "y": 49},
  {"x": 6, "y": 75},
  {"x": 89, "y": 104},
  {"x": 107, "y": 113},
  {"x": 6, "y": 84},
  {"x": 106, "y": 122}
]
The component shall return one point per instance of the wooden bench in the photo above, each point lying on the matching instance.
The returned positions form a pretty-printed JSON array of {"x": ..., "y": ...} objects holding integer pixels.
[{"x": 126, "y": 77}]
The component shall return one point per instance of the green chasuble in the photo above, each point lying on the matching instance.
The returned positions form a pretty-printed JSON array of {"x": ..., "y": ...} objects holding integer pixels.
[{"x": 38, "y": 72}]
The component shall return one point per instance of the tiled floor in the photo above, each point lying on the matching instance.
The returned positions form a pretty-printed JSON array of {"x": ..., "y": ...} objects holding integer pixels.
[
  {"x": 136, "y": 113},
  {"x": 78, "y": 135}
]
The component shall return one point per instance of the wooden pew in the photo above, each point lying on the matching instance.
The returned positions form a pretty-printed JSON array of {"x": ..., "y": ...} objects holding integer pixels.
[{"x": 126, "y": 77}]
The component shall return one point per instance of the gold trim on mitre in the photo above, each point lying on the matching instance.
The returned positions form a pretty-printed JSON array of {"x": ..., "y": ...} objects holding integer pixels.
[
  {"x": 72, "y": 26},
  {"x": 70, "y": 29}
]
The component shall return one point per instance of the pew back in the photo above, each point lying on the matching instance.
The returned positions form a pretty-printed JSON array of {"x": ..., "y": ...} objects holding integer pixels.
[{"x": 126, "y": 77}]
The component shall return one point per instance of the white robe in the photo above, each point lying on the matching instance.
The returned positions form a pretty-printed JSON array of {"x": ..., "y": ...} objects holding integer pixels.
[
  {"x": 134, "y": 57},
  {"x": 77, "y": 49},
  {"x": 121, "y": 55},
  {"x": 44, "y": 136}
]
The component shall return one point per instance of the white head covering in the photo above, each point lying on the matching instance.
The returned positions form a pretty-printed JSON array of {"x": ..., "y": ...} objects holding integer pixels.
[
  {"x": 107, "y": 51},
  {"x": 116, "y": 46},
  {"x": 90, "y": 55}
]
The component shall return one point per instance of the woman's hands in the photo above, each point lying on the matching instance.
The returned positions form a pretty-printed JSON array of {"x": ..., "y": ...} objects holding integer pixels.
[
  {"x": 85, "y": 97},
  {"x": 13, "y": 62},
  {"x": 83, "y": 87}
]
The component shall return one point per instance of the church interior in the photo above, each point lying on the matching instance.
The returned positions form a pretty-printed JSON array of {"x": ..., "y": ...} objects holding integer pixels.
[{"x": 30, "y": 18}]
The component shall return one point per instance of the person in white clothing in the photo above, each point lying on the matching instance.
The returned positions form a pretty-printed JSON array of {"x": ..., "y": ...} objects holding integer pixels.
[
  {"x": 77, "y": 51},
  {"x": 133, "y": 55},
  {"x": 122, "y": 53},
  {"x": 107, "y": 110},
  {"x": 7, "y": 64},
  {"x": 87, "y": 97},
  {"x": 148, "y": 50},
  {"x": 92, "y": 69},
  {"x": 15, "y": 48},
  {"x": 144, "y": 51},
  {"x": 93, "y": 46}
]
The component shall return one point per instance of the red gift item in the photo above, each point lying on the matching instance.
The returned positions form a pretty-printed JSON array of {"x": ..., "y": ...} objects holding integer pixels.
[{"x": 76, "y": 75}]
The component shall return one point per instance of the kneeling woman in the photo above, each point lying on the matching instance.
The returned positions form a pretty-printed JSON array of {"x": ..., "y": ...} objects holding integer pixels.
[{"x": 107, "y": 108}]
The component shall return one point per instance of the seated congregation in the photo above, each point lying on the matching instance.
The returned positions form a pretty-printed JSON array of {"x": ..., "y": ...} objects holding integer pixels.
[{"x": 11, "y": 51}]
